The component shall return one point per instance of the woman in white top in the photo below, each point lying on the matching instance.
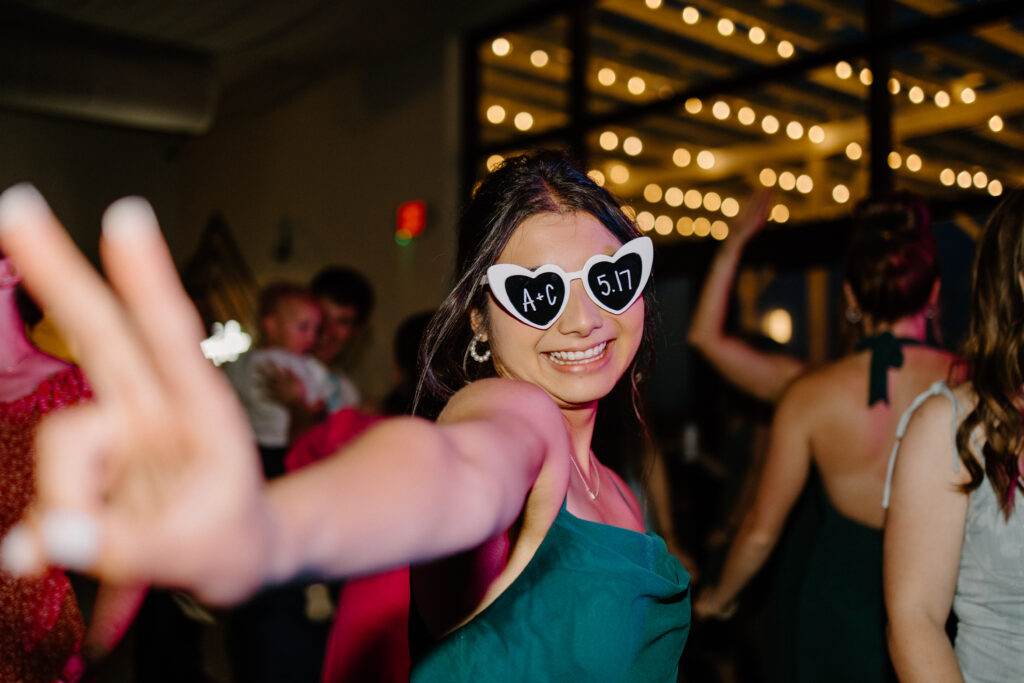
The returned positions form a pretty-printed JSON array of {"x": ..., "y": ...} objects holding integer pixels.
[{"x": 954, "y": 537}]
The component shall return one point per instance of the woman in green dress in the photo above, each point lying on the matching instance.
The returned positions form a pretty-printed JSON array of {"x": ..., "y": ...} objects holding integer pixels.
[
  {"x": 834, "y": 427},
  {"x": 530, "y": 560}
]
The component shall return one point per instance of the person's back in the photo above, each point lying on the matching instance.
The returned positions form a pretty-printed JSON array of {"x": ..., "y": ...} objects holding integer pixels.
[
  {"x": 839, "y": 618},
  {"x": 849, "y": 412},
  {"x": 832, "y": 434},
  {"x": 850, "y": 442}
]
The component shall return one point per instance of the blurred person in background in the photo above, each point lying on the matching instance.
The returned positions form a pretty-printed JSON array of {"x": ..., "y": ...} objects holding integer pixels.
[
  {"x": 835, "y": 427},
  {"x": 346, "y": 301},
  {"x": 42, "y": 634},
  {"x": 283, "y": 388}
]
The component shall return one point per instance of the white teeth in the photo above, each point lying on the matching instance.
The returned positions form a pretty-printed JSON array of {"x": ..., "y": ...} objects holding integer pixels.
[{"x": 576, "y": 357}]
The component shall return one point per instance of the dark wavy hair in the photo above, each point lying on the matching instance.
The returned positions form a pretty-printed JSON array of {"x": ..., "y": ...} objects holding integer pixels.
[
  {"x": 891, "y": 261},
  {"x": 993, "y": 351},
  {"x": 521, "y": 187}
]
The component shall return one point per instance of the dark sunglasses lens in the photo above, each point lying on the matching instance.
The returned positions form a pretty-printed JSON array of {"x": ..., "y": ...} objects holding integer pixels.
[
  {"x": 615, "y": 282},
  {"x": 538, "y": 298}
]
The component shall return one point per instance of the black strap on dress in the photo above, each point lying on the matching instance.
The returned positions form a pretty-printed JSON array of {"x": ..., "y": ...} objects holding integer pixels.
[{"x": 886, "y": 352}]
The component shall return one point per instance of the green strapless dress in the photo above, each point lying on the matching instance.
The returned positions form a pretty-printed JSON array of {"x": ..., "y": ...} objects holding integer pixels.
[
  {"x": 840, "y": 619},
  {"x": 596, "y": 603}
]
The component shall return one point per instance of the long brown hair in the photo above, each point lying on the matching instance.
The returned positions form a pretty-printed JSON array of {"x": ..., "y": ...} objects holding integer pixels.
[
  {"x": 521, "y": 187},
  {"x": 993, "y": 350}
]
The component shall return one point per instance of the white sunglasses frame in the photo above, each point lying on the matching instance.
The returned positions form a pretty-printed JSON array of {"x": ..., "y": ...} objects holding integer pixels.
[{"x": 499, "y": 272}]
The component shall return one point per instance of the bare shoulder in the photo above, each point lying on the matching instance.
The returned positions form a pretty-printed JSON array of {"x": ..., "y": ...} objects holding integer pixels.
[
  {"x": 498, "y": 395},
  {"x": 807, "y": 391},
  {"x": 517, "y": 409},
  {"x": 965, "y": 397},
  {"x": 935, "y": 412},
  {"x": 929, "y": 446}
]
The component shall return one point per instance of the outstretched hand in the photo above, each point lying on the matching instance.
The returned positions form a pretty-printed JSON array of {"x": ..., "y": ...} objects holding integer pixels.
[{"x": 156, "y": 480}]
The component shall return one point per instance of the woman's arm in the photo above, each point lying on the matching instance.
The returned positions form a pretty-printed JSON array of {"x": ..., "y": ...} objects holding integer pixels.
[
  {"x": 785, "y": 471},
  {"x": 157, "y": 481},
  {"x": 410, "y": 490},
  {"x": 763, "y": 375},
  {"x": 923, "y": 538}
]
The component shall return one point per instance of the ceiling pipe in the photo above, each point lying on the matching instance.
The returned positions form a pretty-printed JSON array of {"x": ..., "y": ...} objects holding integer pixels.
[{"x": 82, "y": 74}]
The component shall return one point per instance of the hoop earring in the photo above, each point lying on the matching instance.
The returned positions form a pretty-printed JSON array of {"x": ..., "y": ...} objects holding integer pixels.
[
  {"x": 476, "y": 355},
  {"x": 853, "y": 315}
]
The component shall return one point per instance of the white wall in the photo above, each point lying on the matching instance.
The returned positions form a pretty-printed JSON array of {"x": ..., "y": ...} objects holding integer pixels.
[
  {"x": 81, "y": 167},
  {"x": 334, "y": 164}
]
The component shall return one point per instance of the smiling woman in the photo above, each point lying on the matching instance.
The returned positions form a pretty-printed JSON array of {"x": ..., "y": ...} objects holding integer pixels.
[
  {"x": 526, "y": 567},
  {"x": 552, "y": 278},
  {"x": 543, "y": 187},
  {"x": 579, "y": 355}
]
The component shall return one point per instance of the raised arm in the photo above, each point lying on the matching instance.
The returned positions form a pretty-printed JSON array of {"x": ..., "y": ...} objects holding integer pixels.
[
  {"x": 761, "y": 374},
  {"x": 924, "y": 532},
  {"x": 156, "y": 480},
  {"x": 785, "y": 472}
]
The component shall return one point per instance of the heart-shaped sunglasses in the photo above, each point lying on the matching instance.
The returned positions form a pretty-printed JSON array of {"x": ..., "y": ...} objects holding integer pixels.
[{"x": 537, "y": 297}]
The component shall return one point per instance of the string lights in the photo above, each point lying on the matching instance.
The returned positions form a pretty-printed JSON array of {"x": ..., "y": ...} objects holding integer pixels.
[{"x": 738, "y": 114}]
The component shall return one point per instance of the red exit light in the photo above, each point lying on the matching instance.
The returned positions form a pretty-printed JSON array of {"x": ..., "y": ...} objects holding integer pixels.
[{"x": 410, "y": 220}]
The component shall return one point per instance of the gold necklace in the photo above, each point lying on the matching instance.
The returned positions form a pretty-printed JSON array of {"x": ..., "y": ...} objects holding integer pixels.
[{"x": 592, "y": 492}]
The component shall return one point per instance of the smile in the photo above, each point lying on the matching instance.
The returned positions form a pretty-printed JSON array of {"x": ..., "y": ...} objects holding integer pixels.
[{"x": 578, "y": 357}]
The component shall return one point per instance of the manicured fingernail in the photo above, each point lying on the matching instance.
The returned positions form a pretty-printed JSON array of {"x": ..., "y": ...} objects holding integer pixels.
[
  {"x": 19, "y": 553},
  {"x": 129, "y": 218},
  {"x": 71, "y": 538},
  {"x": 19, "y": 204}
]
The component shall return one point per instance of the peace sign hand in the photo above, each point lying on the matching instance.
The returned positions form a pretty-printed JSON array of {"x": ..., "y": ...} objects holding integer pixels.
[{"x": 156, "y": 480}]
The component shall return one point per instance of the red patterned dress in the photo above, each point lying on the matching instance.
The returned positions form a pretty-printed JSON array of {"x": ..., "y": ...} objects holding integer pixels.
[{"x": 40, "y": 625}]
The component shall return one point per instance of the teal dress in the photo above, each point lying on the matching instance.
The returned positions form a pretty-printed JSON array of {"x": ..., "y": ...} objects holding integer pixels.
[
  {"x": 596, "y": 603},
  {"x": 830, "y": 613},
  {"x": 840, "y": 613}
]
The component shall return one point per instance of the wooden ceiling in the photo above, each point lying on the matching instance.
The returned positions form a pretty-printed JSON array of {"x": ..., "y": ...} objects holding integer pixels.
[{"x": 957, "y": 108}]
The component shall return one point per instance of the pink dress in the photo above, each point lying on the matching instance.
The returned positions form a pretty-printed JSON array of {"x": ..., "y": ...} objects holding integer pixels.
[{"x": 40, "y": 625}]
